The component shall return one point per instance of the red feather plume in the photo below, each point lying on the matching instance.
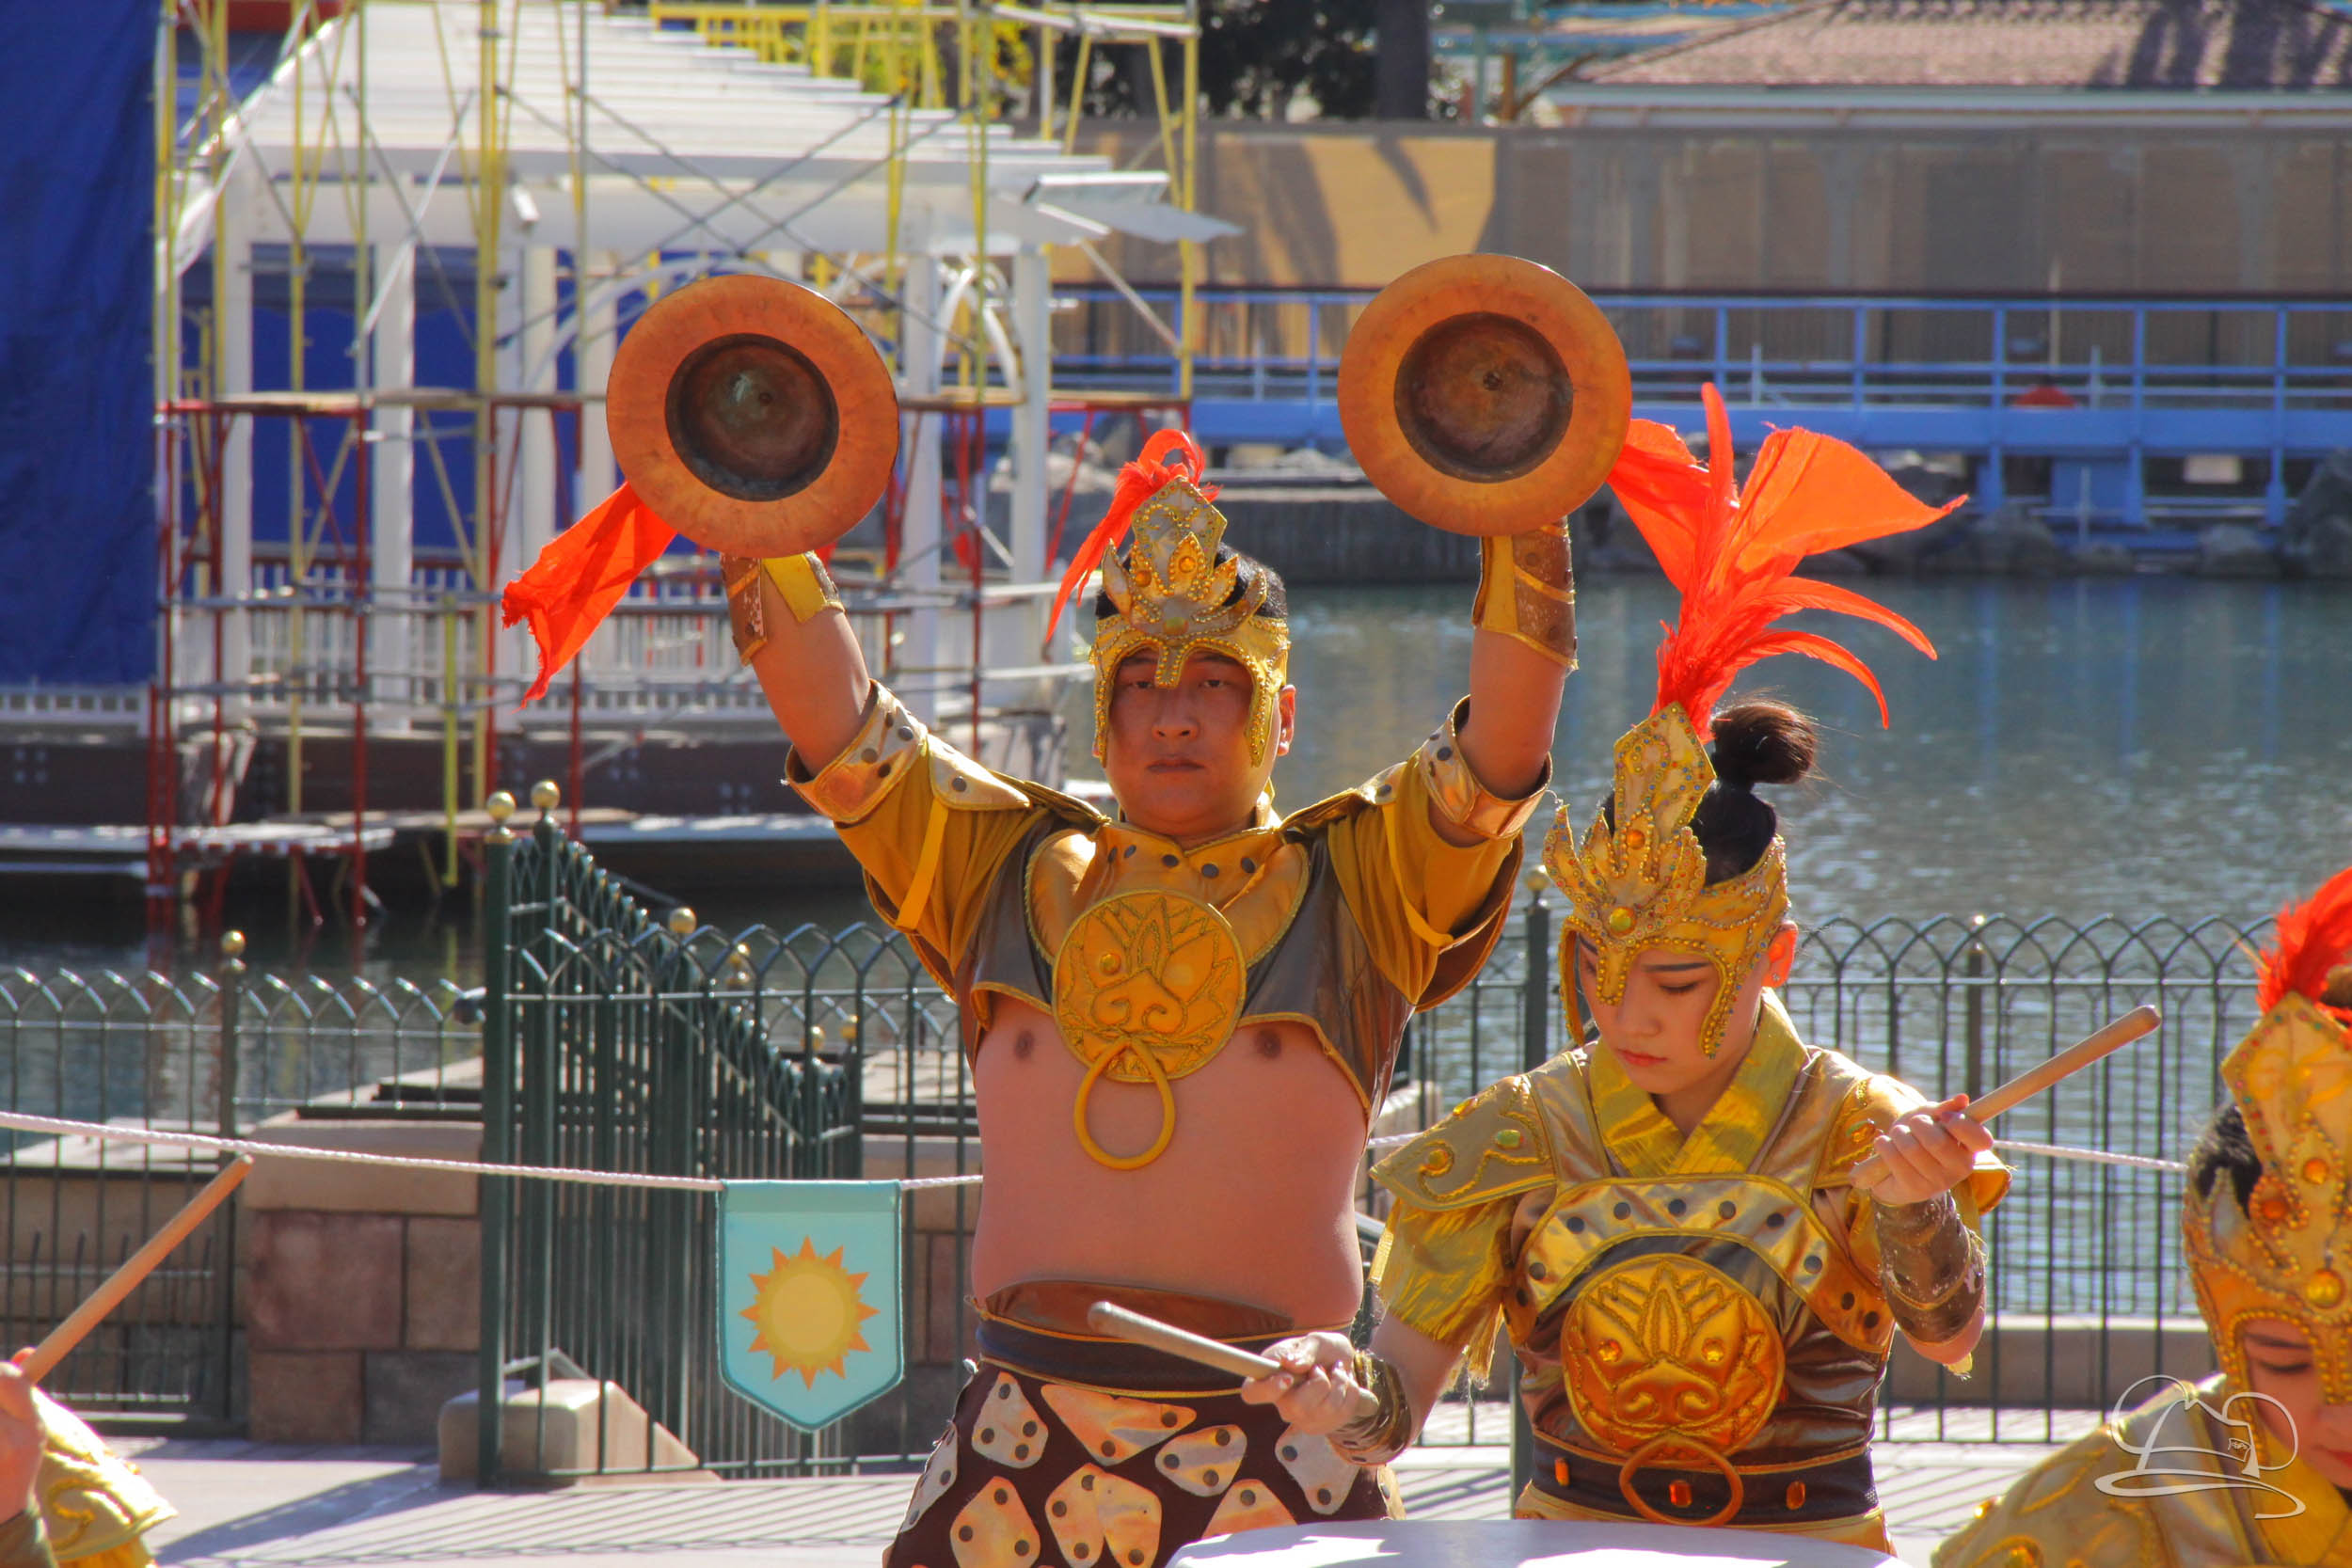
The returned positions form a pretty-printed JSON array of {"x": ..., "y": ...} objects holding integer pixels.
[
  {"x": 1734, "y": 552},
  {"x": 1139, "y": 482},
  {"x": 2312, "y": 939}
]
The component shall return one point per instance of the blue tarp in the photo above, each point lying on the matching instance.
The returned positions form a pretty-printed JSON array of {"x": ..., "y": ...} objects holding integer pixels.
[{"x": 77, "y": 516}]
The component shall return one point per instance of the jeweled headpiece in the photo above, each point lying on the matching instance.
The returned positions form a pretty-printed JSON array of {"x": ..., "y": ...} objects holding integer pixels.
[
  {"x": 1732, "y": 552},
  {"x": 2286, "y": 1257},
  {"x": 1177, "y": 592}
]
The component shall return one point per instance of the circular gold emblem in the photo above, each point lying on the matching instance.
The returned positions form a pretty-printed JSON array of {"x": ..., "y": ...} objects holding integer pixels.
[
  {"x": 1148, "y": 986},
  {"x": 1670, "y": 1358}
]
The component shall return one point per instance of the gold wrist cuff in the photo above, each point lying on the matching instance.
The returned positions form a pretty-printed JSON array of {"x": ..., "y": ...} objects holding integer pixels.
[
  {"x": 884, "y": 751},
  {"x": 1376, "y": 1438},
  {"x": 802, "y": 581},
  {"x": 1526, "y": 592},
  {"x": 1456, "y": 792}
]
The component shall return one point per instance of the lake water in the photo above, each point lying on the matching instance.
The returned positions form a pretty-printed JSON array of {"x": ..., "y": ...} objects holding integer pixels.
[{"x": 2133, "y": 747}]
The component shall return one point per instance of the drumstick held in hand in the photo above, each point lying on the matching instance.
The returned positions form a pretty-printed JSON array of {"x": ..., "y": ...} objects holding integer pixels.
[
  {"x": 62, "y": 1339},
  {"x": 2106, "y": 1042},
  {"x": 1118, "y": 1320}
]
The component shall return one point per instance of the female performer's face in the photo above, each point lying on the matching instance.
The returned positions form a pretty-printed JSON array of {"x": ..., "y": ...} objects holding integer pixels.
[
  {"x": 2278, "y": 1364},
  {"x": 1654, "y": 1030}
]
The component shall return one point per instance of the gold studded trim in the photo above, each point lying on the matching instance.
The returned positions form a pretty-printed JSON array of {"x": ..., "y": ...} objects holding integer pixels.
[
  {"x": 876, "y": 760},
  {"x": 1456, "y": 793},
  {"x": 1768, "y": 1218},
  {"x": 1492, "y": 1144}
]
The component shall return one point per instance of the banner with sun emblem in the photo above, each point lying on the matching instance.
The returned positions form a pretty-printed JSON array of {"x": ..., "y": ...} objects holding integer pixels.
[{"x": 809, "y": 1313}]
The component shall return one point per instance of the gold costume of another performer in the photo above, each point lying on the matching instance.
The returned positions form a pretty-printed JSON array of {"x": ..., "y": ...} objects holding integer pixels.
[
  {"x": 2283, "y": 1257},
  {"x": 93, "y": 1508},
  {"x": 1701, "y": 1322}
]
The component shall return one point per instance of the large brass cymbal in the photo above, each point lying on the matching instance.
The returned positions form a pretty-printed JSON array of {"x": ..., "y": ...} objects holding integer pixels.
[
  {"x": 753, "y": 415},
  {"x": 1485, "y": 394}
]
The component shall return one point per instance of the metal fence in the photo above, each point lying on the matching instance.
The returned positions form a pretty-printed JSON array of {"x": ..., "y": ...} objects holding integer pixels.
[
  {"x": 215, "y": 1052},
  {"x": 615, "y": 1042},
  {"x": 610, "y": 1043},
  {"x": 2088, "y": 1282}
]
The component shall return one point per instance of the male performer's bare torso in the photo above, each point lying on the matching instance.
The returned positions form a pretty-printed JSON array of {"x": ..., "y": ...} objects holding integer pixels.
[{"x": 1252, "y": 1201}]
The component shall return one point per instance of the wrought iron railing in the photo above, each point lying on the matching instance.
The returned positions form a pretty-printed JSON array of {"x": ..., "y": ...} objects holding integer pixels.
[
  {"x": 615, "y": 1042},
  {"x": 214, "y": 1052}
]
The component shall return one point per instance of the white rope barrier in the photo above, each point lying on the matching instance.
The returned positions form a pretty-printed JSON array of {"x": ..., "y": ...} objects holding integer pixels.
[
  {"x": 2090, "y": 1156},
  {"x": 62, "y": 1127}
]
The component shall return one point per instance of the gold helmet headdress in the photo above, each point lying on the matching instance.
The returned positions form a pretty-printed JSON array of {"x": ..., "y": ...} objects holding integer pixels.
[
  {"x": 2286, "y": 1257},
  {"x": 1638, "y": 880},
  {"x": 1177, "y": 592}
]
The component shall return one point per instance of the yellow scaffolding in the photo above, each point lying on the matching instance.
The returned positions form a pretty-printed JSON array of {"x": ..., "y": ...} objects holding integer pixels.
[{"x": 909, "y": 48}]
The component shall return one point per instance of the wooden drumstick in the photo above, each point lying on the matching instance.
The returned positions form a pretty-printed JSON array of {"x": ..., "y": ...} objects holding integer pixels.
[
  {"x": 62, "y": 1339},
  {"x": 1118, "y": 1320},
  {"x": 2106, "y": 1042}
]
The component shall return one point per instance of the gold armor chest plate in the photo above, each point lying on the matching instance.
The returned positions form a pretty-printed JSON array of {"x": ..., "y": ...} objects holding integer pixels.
[
  {"x": 1148, "y": 986},
  {"x": 1668, "y": 1357}
]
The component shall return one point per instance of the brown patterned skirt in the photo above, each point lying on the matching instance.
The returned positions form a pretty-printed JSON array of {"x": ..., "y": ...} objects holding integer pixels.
[{"x": 1070, "y": 1449}]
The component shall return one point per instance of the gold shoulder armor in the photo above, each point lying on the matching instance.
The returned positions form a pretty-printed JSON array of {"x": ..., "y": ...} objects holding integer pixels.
[
  {"x": 1874, "y": 1103},
  {"x": 1348, "y": 803},
  {"x": 960, "y": 781},
  {"x": 2055, "y": 1517},
  {"x": 1493, "y": 1145}
]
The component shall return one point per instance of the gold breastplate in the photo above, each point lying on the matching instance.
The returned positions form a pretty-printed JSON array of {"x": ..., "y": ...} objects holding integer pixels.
[
  {"x": 1147, "y": 986},
  {"x": 1151, "y": 966}
]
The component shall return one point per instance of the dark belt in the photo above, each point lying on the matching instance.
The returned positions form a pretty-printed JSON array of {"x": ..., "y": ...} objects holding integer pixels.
[
  {"x": 1840, "y": 1488},
  {"x": 1037, "y": 1328}
]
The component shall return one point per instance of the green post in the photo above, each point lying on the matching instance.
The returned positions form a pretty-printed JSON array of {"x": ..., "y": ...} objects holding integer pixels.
[
  {"x": 225, "y": 1230},
  {"x": 498, "y": 1121},
  {"x": 1535, "y": 998}
]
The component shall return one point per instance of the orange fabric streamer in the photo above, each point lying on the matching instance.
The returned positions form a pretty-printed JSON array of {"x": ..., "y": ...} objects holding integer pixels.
[
  {"x": 2312, "y": 939},
  {"x": 1139, "y": 482},
  {"x": 567, "y": 594},
  {"x": 1734, "y": 552}
]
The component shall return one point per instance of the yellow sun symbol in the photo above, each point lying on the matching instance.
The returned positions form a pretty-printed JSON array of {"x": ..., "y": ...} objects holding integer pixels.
[{"x": 808, "y": 1312}]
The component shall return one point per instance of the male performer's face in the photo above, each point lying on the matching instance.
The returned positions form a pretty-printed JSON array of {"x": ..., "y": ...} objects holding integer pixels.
[
  {"x": 2279, "y": 1363},
  {"x": 1654, "y": 1030},
  {"x": 1178, "y": 757}
]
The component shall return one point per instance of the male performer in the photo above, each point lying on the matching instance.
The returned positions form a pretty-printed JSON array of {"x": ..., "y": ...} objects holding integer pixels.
[
  {"x": 64, "y": 1497},
  {"x": 1178, "y": 1019},
  {"x": 2253, "y": 1465}
]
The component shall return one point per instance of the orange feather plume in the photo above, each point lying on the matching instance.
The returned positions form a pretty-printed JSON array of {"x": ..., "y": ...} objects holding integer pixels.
[
  {"x": 2314, "y": 938},
  {"x": 1139, "y": 482},
  {"x": 1733, "y": 552}
]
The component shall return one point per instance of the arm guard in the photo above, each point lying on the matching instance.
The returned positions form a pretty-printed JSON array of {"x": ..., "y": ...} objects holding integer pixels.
[
  {"x": 801, "y": 580},
  {"x": 1526, "y": 592},
  {"x": 1932, "y": 1268},
  {"x": 1376, "y": 1438},
  {"x": 1456, "y": 793}
]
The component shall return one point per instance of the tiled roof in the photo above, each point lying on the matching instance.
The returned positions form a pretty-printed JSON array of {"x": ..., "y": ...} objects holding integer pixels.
[{"x": 2244, "y": 45}]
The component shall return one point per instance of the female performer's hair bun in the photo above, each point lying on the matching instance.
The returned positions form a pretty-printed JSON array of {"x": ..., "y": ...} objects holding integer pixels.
[{"x": 1760, "y": 741}]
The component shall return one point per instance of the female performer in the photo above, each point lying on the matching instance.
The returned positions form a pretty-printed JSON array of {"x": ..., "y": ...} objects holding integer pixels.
[
  {"x": 2254, "y": 1464},
  {"x": 1666, "y": 1219}
]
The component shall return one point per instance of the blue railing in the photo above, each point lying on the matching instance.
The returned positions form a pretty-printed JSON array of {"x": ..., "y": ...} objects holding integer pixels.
[{"x": 2107, "y": 383}]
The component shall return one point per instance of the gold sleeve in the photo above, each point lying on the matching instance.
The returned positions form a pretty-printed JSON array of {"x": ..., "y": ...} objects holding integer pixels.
[
  {"x": 1430, "y": 910},
  {"x": 1448, "y": 1273},
  {"x": 930, "y": 827}
]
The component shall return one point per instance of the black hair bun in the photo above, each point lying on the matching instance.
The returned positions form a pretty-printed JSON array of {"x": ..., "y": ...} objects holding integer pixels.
[{"x": 1762, "y": 742}]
